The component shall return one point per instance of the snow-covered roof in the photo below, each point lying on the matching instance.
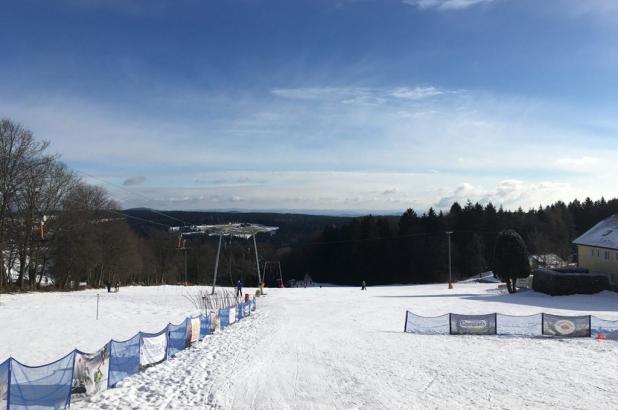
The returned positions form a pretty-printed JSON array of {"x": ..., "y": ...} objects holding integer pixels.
[
  {"x": 602, "y": 235},
  {"x": 547, "y": 259},
  {"x": 240, "y": 230}
]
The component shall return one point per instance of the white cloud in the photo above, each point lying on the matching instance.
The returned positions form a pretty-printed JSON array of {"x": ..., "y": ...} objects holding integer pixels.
[
  {"x": 260, "y": 152},
  {"x": 578, "y": 163},
  {"x": 313, "y": 93},
  {"x": 359, "y": 95},
  {"x": 416, "y": 93},
  {"x": 511, "y": 194},
  {"x": 444, "y": 4},
  {"x": 131, "y": 181}
]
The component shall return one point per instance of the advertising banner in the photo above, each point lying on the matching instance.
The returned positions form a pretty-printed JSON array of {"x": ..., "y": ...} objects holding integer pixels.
[
  {"x": 195, "y": 329},
  {"x": 232, "y": 315},
  {"x": 473, "y": 324},
  {"x": 153, "y": 349},
  {"x": 566, "y": 326},
  {"x": 214, "y": 321},
  {"x": 90, "y": 372}
]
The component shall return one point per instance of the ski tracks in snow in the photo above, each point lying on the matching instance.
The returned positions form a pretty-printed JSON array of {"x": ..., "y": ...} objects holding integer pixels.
[{"x": 340, "y": 349}]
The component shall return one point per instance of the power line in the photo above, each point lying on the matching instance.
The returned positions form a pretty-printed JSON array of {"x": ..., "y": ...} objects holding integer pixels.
[
  {"x": 119, "y": 213},
  {"x": 51, "y": 158},
  {"x": 137, "y": 194},
  {"x": 380, "y": 238}
]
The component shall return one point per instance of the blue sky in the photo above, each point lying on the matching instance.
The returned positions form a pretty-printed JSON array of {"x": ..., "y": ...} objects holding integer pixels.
[{"x": 365, "y": 105}]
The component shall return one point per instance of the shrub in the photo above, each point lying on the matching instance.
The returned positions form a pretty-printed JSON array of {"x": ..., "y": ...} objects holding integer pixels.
[
  {"x": 510, "y": 259},
  {"x": 556, "y": 283}
]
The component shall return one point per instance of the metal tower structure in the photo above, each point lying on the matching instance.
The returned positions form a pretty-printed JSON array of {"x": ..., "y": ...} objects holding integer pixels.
[{"x": 238, "y": 230}]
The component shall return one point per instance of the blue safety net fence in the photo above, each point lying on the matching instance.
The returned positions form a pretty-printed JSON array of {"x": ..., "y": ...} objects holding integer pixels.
[
  {"x": 124, "y": 359},
  {"x": 224, "y": 318},
  {"x": 4, "y": 384},
  {"x": 177, "y": 340},
  {"x": 41, "y": 386},
  {"x": 205, "y": 324},
  {"x": 81, "y": 374},
  {"x": 538, "y": 325}
]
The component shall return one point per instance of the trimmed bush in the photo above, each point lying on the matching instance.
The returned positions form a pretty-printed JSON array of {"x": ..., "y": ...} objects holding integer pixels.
[
  {"x": 565, "y": 282},
  {"x": 510, "y": 259}
]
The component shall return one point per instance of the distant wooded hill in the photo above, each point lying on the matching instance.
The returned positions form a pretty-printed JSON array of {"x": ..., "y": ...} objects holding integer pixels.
[
  {"x": 294, "y": 229},
  {"x": 411, "y": 248}
]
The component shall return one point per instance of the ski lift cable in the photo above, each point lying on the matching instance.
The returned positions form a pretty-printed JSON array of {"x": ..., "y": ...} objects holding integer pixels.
[
  {"x": 380, "y": 238},
  {"x": 136, "y": 194},
  {"x": 48, "y": 159},
  {"x": 120, "y": 214}
]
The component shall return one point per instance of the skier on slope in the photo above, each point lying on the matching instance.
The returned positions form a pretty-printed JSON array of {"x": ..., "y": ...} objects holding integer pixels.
[
  {"x": 363, "y": 285},
  {"x": 238, "y": 288}
]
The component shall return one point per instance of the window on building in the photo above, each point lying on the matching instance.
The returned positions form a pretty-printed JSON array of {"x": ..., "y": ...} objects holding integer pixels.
[
  {"x": 591, "y": 252},
  {"x": 598, "y": 252},
  {"x": 606, "y": 255}
]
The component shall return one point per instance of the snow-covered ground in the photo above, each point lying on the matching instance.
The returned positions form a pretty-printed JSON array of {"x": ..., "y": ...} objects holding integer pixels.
[{"x": 331, "y": 348}]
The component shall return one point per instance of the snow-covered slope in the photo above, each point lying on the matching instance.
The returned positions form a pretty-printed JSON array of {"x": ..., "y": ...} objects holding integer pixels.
[{"x": 327, "y": 348}]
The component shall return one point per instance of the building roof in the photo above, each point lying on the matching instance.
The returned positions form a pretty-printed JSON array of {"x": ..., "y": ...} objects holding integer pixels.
[
  {"x": 548, "y": 259},
  {"x": 239, "y": 230},
  {"x": 602, "y": 235}
]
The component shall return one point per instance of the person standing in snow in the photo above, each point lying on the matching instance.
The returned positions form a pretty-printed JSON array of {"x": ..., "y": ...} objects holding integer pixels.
[
  {"x": 238, "y": 288},
  {"x": 363, "y": 285}
]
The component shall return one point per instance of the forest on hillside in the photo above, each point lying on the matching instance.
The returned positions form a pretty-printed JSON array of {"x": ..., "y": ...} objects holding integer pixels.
[
  {"x": 55, "y": 228},
  {"x": 414, "y": 248}
]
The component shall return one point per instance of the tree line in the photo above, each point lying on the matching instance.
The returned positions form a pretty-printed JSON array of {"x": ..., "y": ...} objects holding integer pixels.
[
  {"x": 56, "y": 227},
  {"x": 58, "y": 231},
  {"x": 413, "y": 248}
]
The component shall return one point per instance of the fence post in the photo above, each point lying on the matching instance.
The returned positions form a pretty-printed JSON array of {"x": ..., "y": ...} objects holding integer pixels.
[
  {"x": 109, "y": 361},
  {"x": 73, "y": 371},
  {"x": 589, "y": 325},
  {"x": 139, "y": 351},
  {"x": 450, "y": 324},
  {"x": 542, "y": 324},
  {"x": 8, "y": 385},
  {"x": 496, "y": 323},
  {"x": 97, "y": 306},
  {"x": 405, "y": 326}
]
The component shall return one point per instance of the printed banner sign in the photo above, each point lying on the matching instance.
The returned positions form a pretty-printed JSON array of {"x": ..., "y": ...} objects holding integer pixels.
[
  {"x": 90, "y": 372},
  {"x": 214, "y": 321},
  {"x": 153, "y": 349},
  {"x": 566, "y": 326},
  {"x": 232, "y": 315},
  {"x": 473, "y": 324},
  {"x": 246, "y": 309},
  {"x": 195, "y": 329},
  {"x": 188, "y": 333}
]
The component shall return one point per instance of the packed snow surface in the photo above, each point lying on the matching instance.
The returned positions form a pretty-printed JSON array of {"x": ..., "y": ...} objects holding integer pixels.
[{"x": 327, "y": 348}]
